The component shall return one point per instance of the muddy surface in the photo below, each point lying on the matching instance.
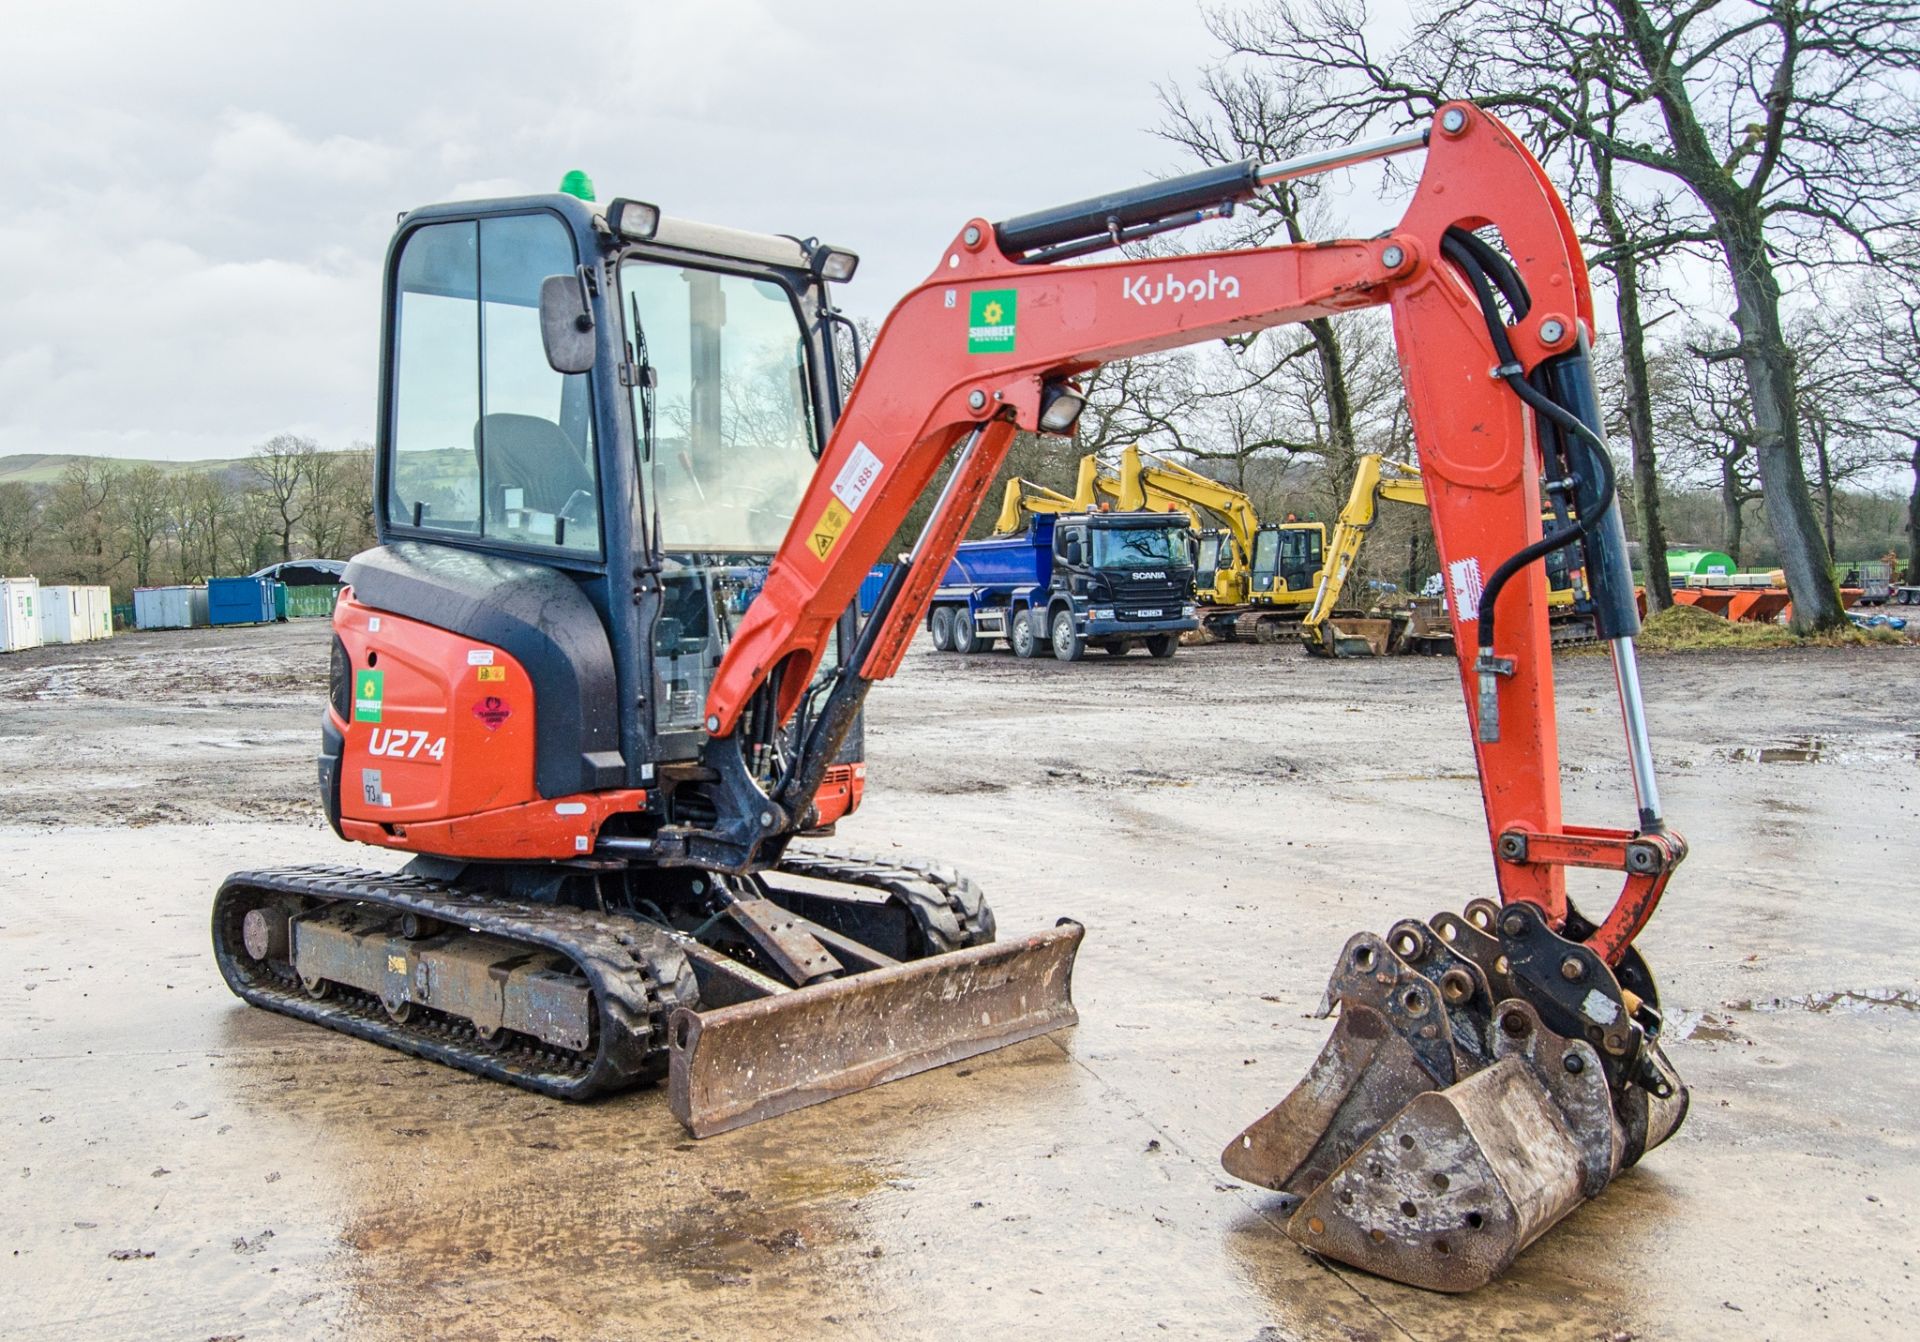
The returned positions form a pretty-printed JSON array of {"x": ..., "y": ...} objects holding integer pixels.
[{"x": 177, "y": 1165}]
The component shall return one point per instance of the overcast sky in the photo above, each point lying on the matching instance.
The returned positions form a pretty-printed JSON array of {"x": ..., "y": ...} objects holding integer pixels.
[{"x": 198, "y": 194}]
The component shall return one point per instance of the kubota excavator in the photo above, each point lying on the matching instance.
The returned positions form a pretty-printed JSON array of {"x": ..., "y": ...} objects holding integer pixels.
[{"x": 565, "y": 683}]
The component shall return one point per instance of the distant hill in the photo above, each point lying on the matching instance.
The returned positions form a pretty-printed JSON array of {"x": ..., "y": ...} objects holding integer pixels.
[{"x": 45, "y": 468}]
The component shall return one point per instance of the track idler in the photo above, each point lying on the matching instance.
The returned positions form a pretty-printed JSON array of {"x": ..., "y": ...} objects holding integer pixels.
[{"x": 1486, "y": 1076}]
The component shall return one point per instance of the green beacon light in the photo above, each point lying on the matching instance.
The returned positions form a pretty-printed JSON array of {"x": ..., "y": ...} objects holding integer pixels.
[{"x": 577, "y": 184}]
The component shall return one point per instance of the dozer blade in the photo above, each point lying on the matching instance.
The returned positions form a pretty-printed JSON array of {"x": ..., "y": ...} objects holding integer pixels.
[
  {"x": 1436, "y": 1178},
  {"x": 738, "y": 1064}
]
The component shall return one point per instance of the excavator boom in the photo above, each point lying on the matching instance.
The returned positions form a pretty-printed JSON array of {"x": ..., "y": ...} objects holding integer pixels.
[{"x": 1524, "y": 1019}]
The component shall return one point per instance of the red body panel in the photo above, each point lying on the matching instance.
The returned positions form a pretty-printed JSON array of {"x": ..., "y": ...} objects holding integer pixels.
[
  {"x": 929, "y": 381},
  {"x": 440, "y": 759}
]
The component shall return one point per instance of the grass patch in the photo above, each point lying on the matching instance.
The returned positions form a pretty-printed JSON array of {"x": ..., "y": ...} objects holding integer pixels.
[{"x": 1690, "y": 629}]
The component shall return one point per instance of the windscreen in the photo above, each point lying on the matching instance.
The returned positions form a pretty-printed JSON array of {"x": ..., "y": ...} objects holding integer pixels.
[
  {"x": 1138, "y": 547},
  {"x": 725, "y": 419}
]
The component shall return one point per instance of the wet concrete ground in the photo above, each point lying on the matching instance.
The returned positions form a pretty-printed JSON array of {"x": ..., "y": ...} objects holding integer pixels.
[{"x": 177, "y": 1165}]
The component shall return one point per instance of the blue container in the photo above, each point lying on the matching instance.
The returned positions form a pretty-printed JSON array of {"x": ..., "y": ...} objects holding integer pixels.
[
  {"x": 871, "y": 584},
  {"x": 240, "y": 600}
]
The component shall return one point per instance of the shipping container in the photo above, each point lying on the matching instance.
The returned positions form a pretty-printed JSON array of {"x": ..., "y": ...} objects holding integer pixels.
[
  {"x": 871, "y": 584},
  {"x": 311, "y": 603},
  {"x": 19, "y": 614},
  {"x": 170, "y": 607},
  {"x": 240, "y": 600}
]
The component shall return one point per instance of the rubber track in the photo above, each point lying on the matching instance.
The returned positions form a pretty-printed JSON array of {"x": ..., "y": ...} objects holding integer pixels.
[
  {"x": 956, "y": 912},
  {"x": 636, "y": 970}
]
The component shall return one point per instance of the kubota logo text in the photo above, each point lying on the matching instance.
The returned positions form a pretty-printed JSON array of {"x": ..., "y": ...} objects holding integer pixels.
[{"x": 1176, "y": 290}]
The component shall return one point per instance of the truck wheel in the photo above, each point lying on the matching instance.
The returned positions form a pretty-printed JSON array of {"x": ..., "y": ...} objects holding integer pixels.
[
  {"x": 965, "y": 637},
  {"x": 942, "y": 627},
  {"x": 1020, "y": 635},
  {"x": 1067, "y": 645},
  {"x": 1163, "y": 645}
]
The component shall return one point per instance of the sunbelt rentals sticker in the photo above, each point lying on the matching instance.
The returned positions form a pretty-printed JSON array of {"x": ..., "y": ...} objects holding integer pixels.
[
  {"x": 992, "y": 316},
  {"x": 367, "y": 695}
]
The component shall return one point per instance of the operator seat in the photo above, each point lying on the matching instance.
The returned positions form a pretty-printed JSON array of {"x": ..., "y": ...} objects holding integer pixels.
[{"x": 534, "y": 455}]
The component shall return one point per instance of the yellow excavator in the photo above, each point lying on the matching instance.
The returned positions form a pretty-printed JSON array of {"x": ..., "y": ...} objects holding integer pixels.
[
  {"x": 1264, "y": 574},
  {"x": 1424, "y": 626}
]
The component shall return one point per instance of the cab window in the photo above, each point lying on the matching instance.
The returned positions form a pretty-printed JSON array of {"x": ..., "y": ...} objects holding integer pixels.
[{"x": 487, "y": 440}]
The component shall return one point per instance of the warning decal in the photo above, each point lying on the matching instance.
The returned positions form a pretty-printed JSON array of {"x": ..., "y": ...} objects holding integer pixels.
[
  {"x": 856, "y": 477},
  {"x": 827, "y": 530},
  {"x": 1464, "y": 577}
]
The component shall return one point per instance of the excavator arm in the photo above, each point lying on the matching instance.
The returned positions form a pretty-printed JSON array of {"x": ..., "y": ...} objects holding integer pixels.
[
  {"x": 1021, "y": 499},
  {"x": 1142, "y": 473},
  {"x": 1375, "y": 480},
  {"x": 1522, "y": 1017}
]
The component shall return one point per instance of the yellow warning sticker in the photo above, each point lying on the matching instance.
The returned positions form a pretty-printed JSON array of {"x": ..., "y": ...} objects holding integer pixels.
[
  {"x": 490, "y": 673},
  {"x": 396, "y": 964},
  {"x": 827, "y": 530}
]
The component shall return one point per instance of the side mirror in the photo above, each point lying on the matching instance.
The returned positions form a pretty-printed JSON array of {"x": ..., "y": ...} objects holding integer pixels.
[
  {"x": 1074, "y": 555},
  {"x": 566, "y": 324}
]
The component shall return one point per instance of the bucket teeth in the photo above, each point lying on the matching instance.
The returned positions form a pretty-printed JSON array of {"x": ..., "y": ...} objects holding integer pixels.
[{"x": 1444, "y": 1127}]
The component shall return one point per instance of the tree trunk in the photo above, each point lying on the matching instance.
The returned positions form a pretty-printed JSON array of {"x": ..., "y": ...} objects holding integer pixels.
[
  {"x": 1913, "y": 519},
  {"x": 1783, "y": 484},
  {"x": 1733, "y": 500},
  {"x": 1633, "y": 367},
  {"x": 1817, "y": 430}
]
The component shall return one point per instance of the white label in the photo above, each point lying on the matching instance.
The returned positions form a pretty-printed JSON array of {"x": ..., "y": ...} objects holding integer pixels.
[
  {"x": 373, "y": 624},
  {"x": 856, "y": 477},
  {"x": 952, "y": 297},
  {"x": 370, "y": 787},
  {"x": 1464, "y": 574},
  {"x": 401, "y": 744},
  {"x": 570, "y": 808},
  {"x": 513, "y": 500},
  {"x": 1599, "y": 1008},
  {"x": 579, "y": 843},
  {"x": 479, "y": 656}
]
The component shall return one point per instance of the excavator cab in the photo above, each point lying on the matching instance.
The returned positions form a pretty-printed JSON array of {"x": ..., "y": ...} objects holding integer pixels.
[{"x": 1287, "y": 558}]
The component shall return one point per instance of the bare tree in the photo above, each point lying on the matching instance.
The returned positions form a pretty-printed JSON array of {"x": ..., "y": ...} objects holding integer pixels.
[
  {"x": 1791, "y": 125},
  {"x": 19, "y": 525},
  {"x": 78, "y": 514},
  {"x": 1705, "y": 417},
  {"x": 140, "y": 516},
  {"x": 280, "y": 469}
]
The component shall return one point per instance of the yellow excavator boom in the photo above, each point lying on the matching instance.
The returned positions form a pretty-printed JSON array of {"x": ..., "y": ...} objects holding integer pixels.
[{"x": 1375, "y": 478}]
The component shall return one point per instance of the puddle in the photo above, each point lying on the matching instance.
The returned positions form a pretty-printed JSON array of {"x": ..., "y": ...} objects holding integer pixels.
[
  {"x": 1846, "y": 1000},
  {"x": 1815, "y": 750}
]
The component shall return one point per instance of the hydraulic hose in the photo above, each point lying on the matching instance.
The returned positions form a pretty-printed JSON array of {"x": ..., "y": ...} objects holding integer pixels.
[{"x": 1484, "y": 267}]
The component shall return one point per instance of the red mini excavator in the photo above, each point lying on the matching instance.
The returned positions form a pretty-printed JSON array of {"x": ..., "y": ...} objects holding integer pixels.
[{"x": 603, "y": 670}]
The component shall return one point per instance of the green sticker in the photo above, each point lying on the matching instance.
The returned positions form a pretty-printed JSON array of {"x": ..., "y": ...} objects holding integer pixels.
[
  {"x": 991, "y": 317},
  {"x": 367, "y": 694}
]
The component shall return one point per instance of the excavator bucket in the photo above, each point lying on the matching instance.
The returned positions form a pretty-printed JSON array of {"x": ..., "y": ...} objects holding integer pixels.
[
  {"x": 1445, "y": 1125},
  {"x": 735, "y": 1065}
]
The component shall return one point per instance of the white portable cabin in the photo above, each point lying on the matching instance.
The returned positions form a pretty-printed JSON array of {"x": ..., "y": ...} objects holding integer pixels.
[
  {"x": 19, "y": 614},
  {"x": 75, "y": 614},
  {"x": 97, "y": 604}
]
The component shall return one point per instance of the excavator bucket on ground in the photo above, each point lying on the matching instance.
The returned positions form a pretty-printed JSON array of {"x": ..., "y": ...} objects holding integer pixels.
[{"x": 1458, "y": 1111}]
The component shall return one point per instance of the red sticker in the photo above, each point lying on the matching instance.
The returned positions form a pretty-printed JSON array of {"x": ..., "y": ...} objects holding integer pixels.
[{"x": 493, "y": 711}]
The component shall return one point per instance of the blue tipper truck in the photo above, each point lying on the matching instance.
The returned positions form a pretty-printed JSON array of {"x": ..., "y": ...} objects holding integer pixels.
[{"x": 1069, "y": 582}]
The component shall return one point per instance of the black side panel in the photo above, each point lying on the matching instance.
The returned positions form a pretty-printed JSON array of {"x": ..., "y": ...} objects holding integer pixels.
[
  {"x": 332, "y": 747},
  {"x": 539, "y": 617}
]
